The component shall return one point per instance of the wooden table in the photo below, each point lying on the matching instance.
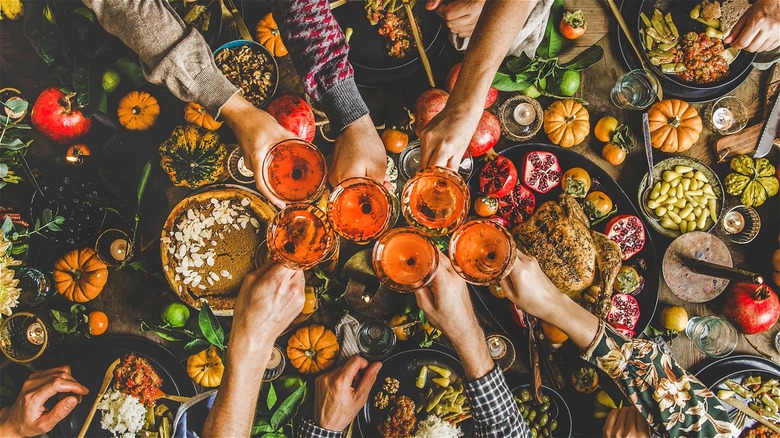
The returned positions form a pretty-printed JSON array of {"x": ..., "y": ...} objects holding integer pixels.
[{"x": 130, "y": 296}]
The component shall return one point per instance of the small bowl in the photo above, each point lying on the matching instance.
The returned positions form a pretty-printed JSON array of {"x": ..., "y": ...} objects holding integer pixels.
[
  {"x": 670, "y": 164},
  {"x": 256, "y": 48}
]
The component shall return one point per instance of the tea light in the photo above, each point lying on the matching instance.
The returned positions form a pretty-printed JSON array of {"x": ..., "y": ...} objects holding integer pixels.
[
  {"x": 275, "y": 360},
  {"x": 76, "y": 153},
  {"x": 733, "y": 222},
  {"x": 118, "y": 249},
  {"x": 243, "y": 170},
  {"x": 524, "y": 114},
  {"x": 275, "y": 365},
  {"x": 723, "y": 119}
]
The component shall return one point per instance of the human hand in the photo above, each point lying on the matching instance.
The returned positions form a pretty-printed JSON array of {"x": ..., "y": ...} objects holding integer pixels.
[
  {"x": 461, "y": 15},
  {"x": 340, "y": 394},
  {"x": 256, "y": 131},
  {"x": 446, "y": 137},
  {"x": 529, "y": 288},
  {"x": 626, "y": 422},
  {"x": 28, "y": 416},
  {"x": 266, "y": 304},
  {"x": 757, "y": 29},
  {"x": 358, "y": 152}
]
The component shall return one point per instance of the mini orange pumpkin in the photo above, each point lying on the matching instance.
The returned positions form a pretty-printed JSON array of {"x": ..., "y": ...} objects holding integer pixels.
[
  {"x": 196, "y": 114},
  {"x": 675, "y": 125},
  {"x": 566, "y": 122},
  {"x": 269, "y": 36},
  {"x": 80, "y": 275},
  {"x": 312, "y": 349},
  {"x": 138, "y": 111},
  {"x": 206, "y": 368}
]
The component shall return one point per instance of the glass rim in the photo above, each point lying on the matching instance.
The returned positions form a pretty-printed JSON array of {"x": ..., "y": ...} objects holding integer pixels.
[
  {"x": 331, "y": 244},
  {"x": 438, "y": 172},
  {"x": 267, "y": 161},
  {"x": 112, "y": 263},
  {"x": 380, "y": 272},
  {"x": 37, "y": 319},
  {"x": 339, "y": 189},
  {"x": 509, "y": 261}
]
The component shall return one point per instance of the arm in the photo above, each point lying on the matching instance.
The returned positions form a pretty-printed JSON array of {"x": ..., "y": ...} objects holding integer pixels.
[
  {"x": 319, "y": 52},
  {"x": 460, "y": 15},
  {"x": 757, "y": 29},
  {"x": 28, "y": 416},
  {"x": 448, "y": 306},
  {"x": 266, "y": 305},
  {"x": 674, "y": 402},
  {"x": 445, "y": 139}
]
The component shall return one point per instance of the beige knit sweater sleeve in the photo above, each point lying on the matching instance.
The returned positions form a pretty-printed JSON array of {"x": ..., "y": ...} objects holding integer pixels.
[{"x": 171, "y": 54}]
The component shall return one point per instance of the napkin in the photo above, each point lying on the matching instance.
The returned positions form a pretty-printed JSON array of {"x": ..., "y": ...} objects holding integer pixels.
[
  {"x": 191, "y": 415},
  {"x": 346, "y": 331}
]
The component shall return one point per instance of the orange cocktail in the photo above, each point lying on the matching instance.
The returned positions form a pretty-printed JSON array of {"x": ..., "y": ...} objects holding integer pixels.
[
  {"x": 301, "y": 237},
  {"x": 482, "y": 252},
  {"x": 294, "y": 171},
  {"x": 360, "y": 209},
  {"x": 435, "y": 201},
  {"x": 404, "y": 259}
]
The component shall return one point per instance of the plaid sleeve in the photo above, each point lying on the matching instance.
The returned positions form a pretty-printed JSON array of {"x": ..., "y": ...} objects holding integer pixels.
[
  {"x": 307, "y": 429},
  {"x": 494, "y": 410}
]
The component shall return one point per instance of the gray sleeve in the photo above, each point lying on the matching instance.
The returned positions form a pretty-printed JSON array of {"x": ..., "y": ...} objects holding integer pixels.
[{"x": 171, "y": 54}]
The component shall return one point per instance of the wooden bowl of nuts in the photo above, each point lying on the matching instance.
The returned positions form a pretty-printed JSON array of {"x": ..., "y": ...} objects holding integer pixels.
[{"x": 250, "y": 67}]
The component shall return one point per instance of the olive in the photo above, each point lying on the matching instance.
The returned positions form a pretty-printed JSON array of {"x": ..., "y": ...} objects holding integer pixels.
[
  {"x": 546, "y": 399},
  {"x": 544, "y": 407},
  {"x": 553, "y": 424},
  {"x": 531, "y": 416},
  {"x": 525, "y": 395},
  {"x": 542, "y": 421},
  {"x": 546, "y": 432},
  {"x": 534, "y": 433}
]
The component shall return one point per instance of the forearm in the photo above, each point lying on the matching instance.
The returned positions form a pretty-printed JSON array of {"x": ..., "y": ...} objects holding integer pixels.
[
  {"x": 580, "y": 325},
  {"x": 472, "y": 349},
  {"x": 7, "y": 429},
  {"x": 319, "y": 52},
  {"x": 234, "y": 408},
  {"x": 171, "y": 54}
]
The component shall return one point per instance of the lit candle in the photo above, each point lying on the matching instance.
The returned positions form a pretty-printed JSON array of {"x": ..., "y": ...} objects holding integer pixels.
[
  {"x": 275, "y": 359},
  {"x": 723, "y": 118},
  {"x": 76, "y": 153},
  {"x": 734, "y": 222},
  {"x": 243, "y": 170},
  {"x": 118, "y": 249},
  {"x": 524, "y": 114}
]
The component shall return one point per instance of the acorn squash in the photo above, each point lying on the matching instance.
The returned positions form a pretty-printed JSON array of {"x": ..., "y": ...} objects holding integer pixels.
[{"x": 192, "y": 156}]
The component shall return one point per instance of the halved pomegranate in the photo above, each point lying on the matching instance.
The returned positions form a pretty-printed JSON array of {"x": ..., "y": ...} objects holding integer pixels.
[
  {"x": 518, "y": 205},
  {"x": 486, "y": 136},
  {"x": 500, "y": 221},
  {"x": 541, "y": 171},
  {"x": 452, "y": 77},
  {"x": 518, "y": 315},
  {"x": 427, "y": 106},
  {"x": 624, "y": 311},
  {"x": 498, "y": 177},
  {"x": 629, "y": 232},
  {"x": 623, "y": 330}
]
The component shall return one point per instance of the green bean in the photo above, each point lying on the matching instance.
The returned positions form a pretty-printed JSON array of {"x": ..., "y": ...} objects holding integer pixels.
[
  {"x": 739, "y": 389},
  {"x": 670, "y": 23},
  {"x": 645, "y": 20}
]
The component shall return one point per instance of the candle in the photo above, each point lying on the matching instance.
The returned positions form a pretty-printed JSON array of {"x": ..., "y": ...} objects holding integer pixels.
[
  {"x": 497, "y": 347},
  {"x": 243, "y": 170},
  {"x": 76, "y": 153},
  {"x": 275, "y": 359},
  {"x": 734, "y": 222},
  {"x": 723, "y": 119},
  {"x": 524, "y": 114},
  {"x": 118, "y": 249}
]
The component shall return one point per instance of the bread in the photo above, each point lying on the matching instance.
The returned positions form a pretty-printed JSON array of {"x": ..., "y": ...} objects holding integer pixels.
[{"x": 731, "y": 11}]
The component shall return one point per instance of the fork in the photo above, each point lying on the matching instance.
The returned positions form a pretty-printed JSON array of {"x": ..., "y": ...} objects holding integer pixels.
[
  {"x": 107, "y": 378},
  {"x": 238, "y": 21},
  {"x": 737, "y": 418},
  {"x": 229, "y": 22}
]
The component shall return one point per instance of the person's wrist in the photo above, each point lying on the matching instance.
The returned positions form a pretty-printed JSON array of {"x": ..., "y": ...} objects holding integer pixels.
[{"x": 6, "y": 428}]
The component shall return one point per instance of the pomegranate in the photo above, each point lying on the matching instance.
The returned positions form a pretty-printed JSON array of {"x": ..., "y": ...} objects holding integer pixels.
[
  {"x": 57, "y": 117},
  {"x": 498, "y": 177},
  {"x": 294, "y": 114},
  {"x": 541, "y": 171},
  {"x": 486, "y": 136},
  {"x": 751, "y": 308},
  {"x": 500, "y": 221},
  {"x": 518, "y": 315},
  {"x": 518, "y": 205},
  {"x": 629, "y": 232},
  {"x": 452, "y": 76},
  {"x": 624, "y": 312},
  {"x": 427, "y": 106},
  {"x": 623, "y": 330}
]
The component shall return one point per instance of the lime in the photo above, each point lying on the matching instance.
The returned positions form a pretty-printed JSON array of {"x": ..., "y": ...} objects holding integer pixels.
[
  {"x": 568, "y": 83},
  {"x": 531, "y": 92},
  {"x": 673, "y": 318},
  {"x": 111, "y": 80},
  {"x": 175, "y": 315}
]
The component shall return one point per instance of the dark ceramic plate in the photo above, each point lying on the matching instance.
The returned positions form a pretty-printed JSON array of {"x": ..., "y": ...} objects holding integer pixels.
[
  {"x": 405, "y": 367},
  {"x": 211, "y": 35},
  {"x": 89, "y": 367},
  {"x": 559, "y": 410},
  {"x": 630, "y": 10},
  {"x": 648, "y": 297}
]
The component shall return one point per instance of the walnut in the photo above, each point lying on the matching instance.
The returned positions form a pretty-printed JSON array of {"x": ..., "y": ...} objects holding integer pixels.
[
  {"x": 391, "y": 385},
  {"x": 381, "y": 400},
  {"x": 250, "y": 70}
]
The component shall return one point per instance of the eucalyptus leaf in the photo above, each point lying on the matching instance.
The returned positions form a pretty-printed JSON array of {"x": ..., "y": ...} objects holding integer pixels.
[
  {"x": 287, "y": 409},
  {"x": 143, "y": 180},
  {"x": 210, "y": 327},
  {"x": 17, "y": 106},
  {"x": 270, "y": 399},
  {"x": 585, "y": 59}
]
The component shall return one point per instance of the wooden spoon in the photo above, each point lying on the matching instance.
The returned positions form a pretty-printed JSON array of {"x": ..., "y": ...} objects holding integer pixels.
[{"x": 107, "y": 378}]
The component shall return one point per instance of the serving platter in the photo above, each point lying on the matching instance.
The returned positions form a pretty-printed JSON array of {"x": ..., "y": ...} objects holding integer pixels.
[
  {"x": 559, "y": 410},
  {"x": 89, "y": 366},
  {"x": 646, "y": 261}
]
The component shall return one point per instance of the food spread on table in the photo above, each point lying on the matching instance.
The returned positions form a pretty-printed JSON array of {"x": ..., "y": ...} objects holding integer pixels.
[
  {"x": 394, "y": 25},
  {"x": 761, "y": 393}
]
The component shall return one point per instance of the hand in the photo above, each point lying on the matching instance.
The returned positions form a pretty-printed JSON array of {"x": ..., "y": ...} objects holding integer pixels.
[
  {"x": 529, "y": 288},
  {"x": 358, "y": 152},
  {"x": 626, "y": 423},
  {"x": 446, "y": 137},
  {"x": 757, "y": 29},
  {"x": 340, "y": 394},
  {"x": 28, "y": 416},
  {"x": 461, "y": 15},
  {"x": 266, "y": 305},
  {"x": 256, "y": 131}
]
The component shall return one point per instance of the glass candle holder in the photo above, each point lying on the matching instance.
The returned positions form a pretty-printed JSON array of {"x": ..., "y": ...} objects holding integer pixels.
[
  {"x": 502, "y": 351},
  {"x": 113, "y": 247},
  {"x": 712, "y": 335},
  {"x": 435, "y": 201},
  {"x": 404, "y": 259},
  {"x": 482, "y": 252},
  {"x": 276, "y": 365},
  {"x": 635, "y": 90},
  {"x": 35, "y": 284},
  {"x": 237, "y": 168},
  {"x": 295, "y": 171},
  {"x": 741, "y": 224},
  {"x": 301, "y": 237},
  {"x": 376, "y": 340},
  {"x": 727, "y": 115},
  {"x": 520, "y": 117},
  {"x": 24, "y": 336},
  {"x": 360, "y": 209},
  {"x": 409, "y": 162}
]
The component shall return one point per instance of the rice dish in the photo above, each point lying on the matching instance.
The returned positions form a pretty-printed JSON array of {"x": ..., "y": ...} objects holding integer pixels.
[
  {"x": 122, "y": 415},
  {"x": 435, "y": 427}
]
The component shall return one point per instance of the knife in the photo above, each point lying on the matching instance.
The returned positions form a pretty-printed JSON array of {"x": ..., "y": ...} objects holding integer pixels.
[
  {"x": 751, "y": 413},
  {"x": 536, "y": 373},
  {"x": 720, "y": 271},
  {"x": 545, "y": 354},
  {"x": 419, "y": 42},
  {"x": 769, "y": 132}
]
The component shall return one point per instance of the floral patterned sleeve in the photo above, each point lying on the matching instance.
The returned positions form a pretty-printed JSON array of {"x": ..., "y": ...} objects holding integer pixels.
[{"x": 673, "y": 401}]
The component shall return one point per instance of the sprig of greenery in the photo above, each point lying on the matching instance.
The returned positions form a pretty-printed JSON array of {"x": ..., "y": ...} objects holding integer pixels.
[
  {"x": 274, "y": 416},
  {"x": 70, "y": 323},
  {"x": 47, "y": 221},
  {"x": 209, "y": 332},
  {"x": 13, "y": 142}
]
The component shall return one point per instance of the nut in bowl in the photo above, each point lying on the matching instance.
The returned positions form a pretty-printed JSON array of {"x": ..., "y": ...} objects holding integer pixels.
[
  {"x": 250, "y": 67},
  {"x": 687, "y": 196}
]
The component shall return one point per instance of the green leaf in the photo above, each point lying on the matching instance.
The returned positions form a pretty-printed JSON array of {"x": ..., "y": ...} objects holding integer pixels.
[
  {"x": 167, "y": 334},
  {"x": 16, "y": 105},
  {"x": 517, "y": 64},
  {"x": 13, "y": 144},
  {"x": 288, "y": 408},
  {"x": 210, "y": 327},
  {"x": 132, "y": 70},
  {"x": 53, "y": 227},
  {"x": 505, "y": 82},
  {"x": 48, "y": 43},
  {"x": 588, "y": 57},
  {"x": 59, "y": 220},
  {"x": 3, "y": 170},
  {"x": 195, "y": 346},
  {"x": 88, "y": 84},
  {"x": 264, "y": 428},
  {"x": 77, "y": 309},
  {"x": 143, "y": 180},
  {"x": 37, "y": 224},
  {"x": 8, "y": 225},
  {"x": 270, "y": 399},
  {"x": 553, "y": 41},
  {"x": 46, "y": 216}
]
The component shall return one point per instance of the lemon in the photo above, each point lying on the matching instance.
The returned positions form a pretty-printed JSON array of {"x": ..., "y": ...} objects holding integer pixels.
[
  {"x": 111, "y": 80},
  {"x": 175, "y": 315},
  {"x": 673, "y": 318}
]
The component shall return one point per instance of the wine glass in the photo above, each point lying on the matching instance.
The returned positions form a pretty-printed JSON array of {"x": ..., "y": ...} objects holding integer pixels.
[
  {"x": 301, "y": 237},
  {"x": 360, "y": 209},
  {"x": 482, "y": 252},
  {"x": 404, "y": 259},
  {"x": 435, "y": 201},
  {"x": 294, "y": 170}
]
